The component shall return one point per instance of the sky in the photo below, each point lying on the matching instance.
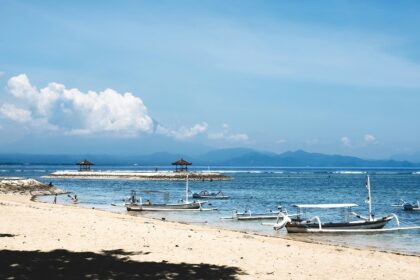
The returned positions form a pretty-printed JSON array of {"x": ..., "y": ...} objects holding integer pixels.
[{"x": 137, "y": 77}]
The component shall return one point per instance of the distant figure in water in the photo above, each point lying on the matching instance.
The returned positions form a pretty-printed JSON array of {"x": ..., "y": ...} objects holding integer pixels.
[
  {"x": 50, "y": 184},
  {"x": 73, "y": 199},
  {"x": 55, "y": 198}
]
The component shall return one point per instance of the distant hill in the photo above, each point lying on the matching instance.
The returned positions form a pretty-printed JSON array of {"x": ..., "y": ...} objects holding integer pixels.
[
  {"x": 304, "y": 159},
  {"x": 413, "y": 157},
  {"x": 227, "y": 157}
]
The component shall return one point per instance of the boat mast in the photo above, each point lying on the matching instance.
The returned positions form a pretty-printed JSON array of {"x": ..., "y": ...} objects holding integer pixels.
[{"x": 369, "y": 199}]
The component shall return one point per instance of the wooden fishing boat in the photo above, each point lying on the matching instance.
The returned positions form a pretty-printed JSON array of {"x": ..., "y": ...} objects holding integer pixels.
[
  {"x": 248, "y": 215},
  {"x": 149, "y": 206},
  {"x": 407, "y": 206},
  {"x": 137, "y": 204},
  {"x": 411, "y": 206},
  {"x": 210, "y": 195},
  {"x": 299, "y": 224}
]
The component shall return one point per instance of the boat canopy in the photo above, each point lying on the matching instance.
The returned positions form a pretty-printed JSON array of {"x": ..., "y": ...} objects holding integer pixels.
[{"x": 325, "y": 206}]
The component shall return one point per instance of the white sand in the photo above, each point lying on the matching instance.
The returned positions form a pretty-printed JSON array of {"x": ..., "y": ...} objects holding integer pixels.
[{"x": 46, "y": 227}]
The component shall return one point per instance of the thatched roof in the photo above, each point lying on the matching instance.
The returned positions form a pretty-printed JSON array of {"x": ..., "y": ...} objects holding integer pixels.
[
  {"x": 181, "y": 162},
  {"x": 85, "y": 162}
]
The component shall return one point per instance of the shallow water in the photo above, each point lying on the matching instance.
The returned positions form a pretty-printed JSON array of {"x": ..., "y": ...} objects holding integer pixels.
[{"x": 260, "y": 190}]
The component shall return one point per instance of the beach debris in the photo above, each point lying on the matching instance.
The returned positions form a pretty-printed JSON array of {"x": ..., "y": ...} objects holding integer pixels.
[{"x": 29, "y": 186}]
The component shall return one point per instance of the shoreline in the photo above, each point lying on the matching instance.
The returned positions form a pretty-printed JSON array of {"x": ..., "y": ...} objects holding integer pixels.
[
  {"x": 206, "y": 224},
  {"x": 252, "y": 255}
]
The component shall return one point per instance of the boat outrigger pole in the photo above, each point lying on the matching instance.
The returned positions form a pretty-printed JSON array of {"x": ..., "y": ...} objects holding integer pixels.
[
  {"x": 186, "y": 190},
  {"x": 369, "y": 199}
]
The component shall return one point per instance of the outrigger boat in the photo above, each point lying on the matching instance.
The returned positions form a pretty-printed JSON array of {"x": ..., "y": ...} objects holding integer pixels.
[
  {"x": 210, "y": 195},
  {"x": 248, "y": 215},
  {"x": 300, "y": 225},
  {"x": 137, "y": 204},
  {"x": 407, "y": 206},
  {"x": 315, "y": 225}
]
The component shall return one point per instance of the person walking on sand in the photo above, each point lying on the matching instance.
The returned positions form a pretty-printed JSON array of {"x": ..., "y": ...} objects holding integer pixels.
[{"x": 55, "y": 199}]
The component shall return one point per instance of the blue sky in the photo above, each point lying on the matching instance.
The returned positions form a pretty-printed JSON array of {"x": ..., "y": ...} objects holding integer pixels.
[{"x": 188, "y": 76}]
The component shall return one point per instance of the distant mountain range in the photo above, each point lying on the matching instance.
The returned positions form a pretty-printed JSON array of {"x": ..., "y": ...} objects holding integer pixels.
[
  {"x": 413, "y": 157},
  {"x": 225, "y": 157}
]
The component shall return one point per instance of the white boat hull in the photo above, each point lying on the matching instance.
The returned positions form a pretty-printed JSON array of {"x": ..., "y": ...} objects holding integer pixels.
[
  {"x": 257, "y": 217},
  {"x": 299, "y": 227},
  {"x": 164, "y": 207}
]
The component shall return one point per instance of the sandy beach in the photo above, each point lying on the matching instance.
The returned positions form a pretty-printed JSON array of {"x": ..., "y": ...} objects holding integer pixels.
[{"x": 41, "y": 240}]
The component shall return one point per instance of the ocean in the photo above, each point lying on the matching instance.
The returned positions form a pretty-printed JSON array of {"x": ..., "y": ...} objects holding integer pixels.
[{"x": 258, "y": 190}]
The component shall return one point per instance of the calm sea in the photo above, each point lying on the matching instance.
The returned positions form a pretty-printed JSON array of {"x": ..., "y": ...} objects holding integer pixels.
[{"x": 260, "y": 190}]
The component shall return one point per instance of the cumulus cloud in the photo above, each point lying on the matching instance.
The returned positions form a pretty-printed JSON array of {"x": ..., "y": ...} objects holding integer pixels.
[
  {"x": 281, "y": 141},
  {"x": 16, "y": 114},
  {"x": 184, "y": 132},
  {"x": 77, "y": 112},
  {"x": 227, "y": 135},
  {"x": 369, "y": 139},
  {"x": 73, "y": 112},
  {"x": 346, "y": 141}
]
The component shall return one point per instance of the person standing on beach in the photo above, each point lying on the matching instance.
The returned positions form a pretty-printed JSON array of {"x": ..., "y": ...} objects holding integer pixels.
[{"x": 55, "y": 199}]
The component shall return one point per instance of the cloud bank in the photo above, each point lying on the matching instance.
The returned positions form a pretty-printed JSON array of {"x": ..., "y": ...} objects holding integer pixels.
[
  {"x": 73, "y": 112},
  {"x": 184, "y": 132},
  {"x": 368, "y": 139},
  {"x": 227, "y": 135}
]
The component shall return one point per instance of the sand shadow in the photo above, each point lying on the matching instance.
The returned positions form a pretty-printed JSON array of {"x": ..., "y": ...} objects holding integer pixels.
[{"x": 63, "y": 264}]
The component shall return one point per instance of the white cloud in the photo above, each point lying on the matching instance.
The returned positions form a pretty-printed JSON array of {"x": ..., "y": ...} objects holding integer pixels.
[
  {"x": 369, "y": 139},
  {"x": 240, "y": 137},
  {"x": 346, "y": 141},
  {"x": 226, "y": 135},
  {"x": 16, "y": 114},
  {"x": 1, "y": 73},
  {"x": 77, "y": 112},
  {"x": 184, "y": 132}
]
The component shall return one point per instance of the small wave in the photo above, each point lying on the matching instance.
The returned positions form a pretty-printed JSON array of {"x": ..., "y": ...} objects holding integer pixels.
[
  {"x": 416, "y": 173},
  {"x": 389, "y": 172},
  {"x": 231, "y": 171},
  {"x": 349, "y": 172}
]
